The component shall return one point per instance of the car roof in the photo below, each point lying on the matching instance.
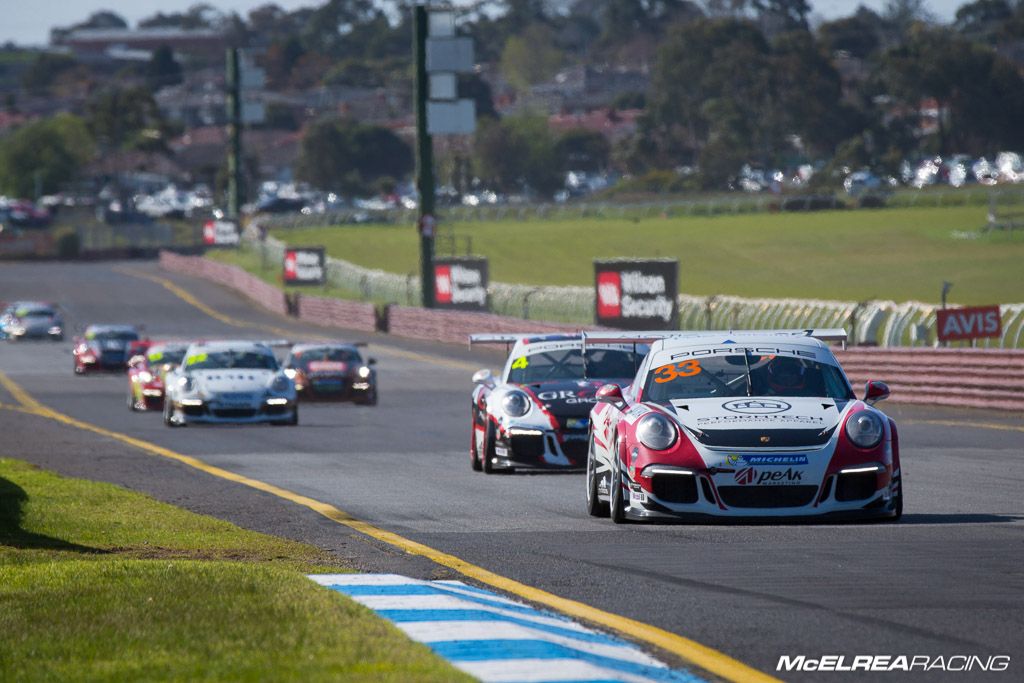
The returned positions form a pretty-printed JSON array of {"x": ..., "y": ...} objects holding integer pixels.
[
  {"x": 111, "y": 328},
  {"x": 231, "y": 345}
]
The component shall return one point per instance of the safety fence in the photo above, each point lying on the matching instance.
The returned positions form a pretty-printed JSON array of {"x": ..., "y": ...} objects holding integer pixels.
[
  {"x": 877, "y": 323},
  {"x": 977, "y": 378}
]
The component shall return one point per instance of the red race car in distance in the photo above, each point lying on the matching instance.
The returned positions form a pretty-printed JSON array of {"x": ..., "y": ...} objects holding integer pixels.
[
  {"x": 103, "y": 347},
  {"x": 147, "y": 371}
]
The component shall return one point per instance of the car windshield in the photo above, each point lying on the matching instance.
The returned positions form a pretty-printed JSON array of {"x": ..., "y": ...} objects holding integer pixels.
[
  {"x": 112, "y": 335},
  {"x": 302, "y": 359},
  {"x": 722, "y": 376},
  {"x": 568, "y": 364},
  {"x": 35, "y": 313},
  {"x": 159, "y": 355},
  {"x": 231, "y": 359}
]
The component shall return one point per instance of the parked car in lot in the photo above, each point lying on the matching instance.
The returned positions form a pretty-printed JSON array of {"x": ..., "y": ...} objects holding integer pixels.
[
  {"x": 332, "y": 371},
  {"x": 742, "y": 424},
  {"x": 229, "y": 381},
  {"x": 103, "y": 347}
]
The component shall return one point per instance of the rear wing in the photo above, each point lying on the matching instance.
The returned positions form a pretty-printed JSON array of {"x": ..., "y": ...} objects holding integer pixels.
[{"x": 821, "y": 334}]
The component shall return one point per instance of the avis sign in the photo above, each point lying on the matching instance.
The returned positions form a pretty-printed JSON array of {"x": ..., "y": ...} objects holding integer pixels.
[
  {"x": 461, "y": 283},
  {"x": 304, "y": 266},
  {"x": 637, "y": 295},
  {"x": 968, "y": 323}
]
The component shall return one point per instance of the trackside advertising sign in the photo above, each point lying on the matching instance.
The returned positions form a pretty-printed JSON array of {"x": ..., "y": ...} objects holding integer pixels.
[
  {"x": 461, "y": 283},
  {"x": 304, "y": 266},
  {"x": 968, "y": 323},
  {"x": 220, "y": 234},
  {"x": 637, "y": 295}
]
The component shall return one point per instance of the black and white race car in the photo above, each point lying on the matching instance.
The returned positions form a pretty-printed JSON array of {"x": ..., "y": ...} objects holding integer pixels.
[
  {"x": 536, "y": 415},
  {"x": 742, "y": 424}
]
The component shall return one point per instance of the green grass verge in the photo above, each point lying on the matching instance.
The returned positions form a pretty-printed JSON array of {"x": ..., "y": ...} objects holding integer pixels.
[
  {"x": 901, "y": 254},
  {"x": 101, "y": 583}
]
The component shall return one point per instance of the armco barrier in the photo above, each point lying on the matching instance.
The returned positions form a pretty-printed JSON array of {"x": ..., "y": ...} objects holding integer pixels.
[
  {"x": 456, "y": 326},
  {"x": 974, "y": 378},
  {"x": 351, "y": 315},
  {"x": 266, "y": 295}
]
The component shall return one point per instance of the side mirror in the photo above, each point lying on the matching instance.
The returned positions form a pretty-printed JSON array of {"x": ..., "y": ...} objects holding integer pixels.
[
  {"x": 371, "y": 361},
  {"x": 610, "y": 393},
  {"x": 875, "y": 391},
  {"x": 484, "y": 377}
]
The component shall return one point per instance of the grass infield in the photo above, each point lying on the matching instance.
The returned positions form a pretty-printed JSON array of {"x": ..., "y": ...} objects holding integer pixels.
[
  {"x": 101, "y": 583},
  {"x": 900, "y": 254}
]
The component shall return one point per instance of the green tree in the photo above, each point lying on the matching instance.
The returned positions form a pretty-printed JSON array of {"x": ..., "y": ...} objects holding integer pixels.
[
  {"x": 530, "y": 58},
  {"x": 45, "y": 69},
  {"x": 162, "y": 69},
  {"x": 126, "y": 118},
  {"x": 350, "y": 157},
  {"x": 52, "y": 150},
  {"x": 517, "y": 154},
  {"x": 583, "y": 150}
]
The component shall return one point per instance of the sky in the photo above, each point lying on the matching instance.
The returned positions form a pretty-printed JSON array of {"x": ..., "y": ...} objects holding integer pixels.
[{"x": 29, "y": 22}]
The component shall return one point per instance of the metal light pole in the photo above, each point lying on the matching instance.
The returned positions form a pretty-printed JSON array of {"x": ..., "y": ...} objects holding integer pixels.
[
  {"x": 424, "y": 157},
  {"x": 234, "y": 134}
]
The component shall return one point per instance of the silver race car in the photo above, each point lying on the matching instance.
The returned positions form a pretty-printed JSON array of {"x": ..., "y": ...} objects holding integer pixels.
[{"x": 230, "y": 381}]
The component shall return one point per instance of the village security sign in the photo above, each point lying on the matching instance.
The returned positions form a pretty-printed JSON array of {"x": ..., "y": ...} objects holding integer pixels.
[
  {"x": 461, "y": 283},
  {"x": 304, "y": 266},
  {"x": 220, "y": 234},
  {"x": 637, "y": 294}
]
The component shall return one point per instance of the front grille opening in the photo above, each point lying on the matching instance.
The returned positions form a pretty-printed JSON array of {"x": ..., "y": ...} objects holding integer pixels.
[
  {"x": 856, "y": 486},
  {"x": 527, "y": 447},
  {"x": 674, "y": 488},
  {"x": 753, "y": 438},
  {"x": 193, "y": 411},
  {"x": 705, "y": 486},
  {"x": 767, "y": 496},
  {"x": 575, "y": 450},
  {"x": 234, "y": 412}
]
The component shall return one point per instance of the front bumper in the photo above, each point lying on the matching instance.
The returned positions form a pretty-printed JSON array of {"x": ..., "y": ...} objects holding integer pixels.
[
  {"x": 678, "y": 494},
  {"x": 196, "y": 411},
  {"x": 531, "y": 448},
  {"x": 334, "y": 389}
]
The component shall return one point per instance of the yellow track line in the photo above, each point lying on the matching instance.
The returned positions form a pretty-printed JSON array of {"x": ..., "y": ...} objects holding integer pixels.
[
  {"x": 691, "y": 651},
  {"x": 280, "y": 331}
]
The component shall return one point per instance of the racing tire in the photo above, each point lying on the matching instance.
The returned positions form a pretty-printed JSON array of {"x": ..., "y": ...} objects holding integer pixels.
[
  {"x": 488, "y": 457},
  {"x": 369, "y": 400},
  {"x": 474, "y": 456},
  {"x": 898, "y": 500},
  {"x": 616, "y": 506},
  {"x": 79, "y": 370},
  {"x": 169, "y": 415},
  {"x": 131, "y": 402},
  {"x": 595, "y": 507}
]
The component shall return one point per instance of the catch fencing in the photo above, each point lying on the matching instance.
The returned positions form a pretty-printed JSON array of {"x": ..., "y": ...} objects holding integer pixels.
[{"x": 873, "y": 323}]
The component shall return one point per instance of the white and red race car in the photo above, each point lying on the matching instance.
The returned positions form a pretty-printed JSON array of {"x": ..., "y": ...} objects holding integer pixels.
[
  {"x": 537, "y": 414},
  {"x": 741, "y": 424}
]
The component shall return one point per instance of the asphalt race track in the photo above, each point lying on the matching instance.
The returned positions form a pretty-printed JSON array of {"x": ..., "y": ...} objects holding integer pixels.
[{"x": 947, "y": 580}]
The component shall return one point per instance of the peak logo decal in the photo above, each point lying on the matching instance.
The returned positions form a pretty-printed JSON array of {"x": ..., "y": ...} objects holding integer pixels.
[
  {"x": 748, "y": 476},
  {"x": 745, "y": 476},
  {"x": 757, "y": 406}
]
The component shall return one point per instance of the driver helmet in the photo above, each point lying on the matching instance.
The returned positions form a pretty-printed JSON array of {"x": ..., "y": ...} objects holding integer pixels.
[{"x": 786, "y": 374}]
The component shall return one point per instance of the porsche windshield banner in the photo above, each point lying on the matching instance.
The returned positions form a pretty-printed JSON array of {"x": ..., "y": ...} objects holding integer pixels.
[
  {"x": 637, "y": 295},
  {"x": 304, "y": 266},
  {"x": 461, "y": 283}
]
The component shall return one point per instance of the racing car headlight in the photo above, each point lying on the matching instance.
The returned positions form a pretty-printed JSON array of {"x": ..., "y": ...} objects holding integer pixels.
[
  {"x": 515, "y": 404},
  {"x": 187, "y": 383},
  {"x": 18, "y": 330},
  {"x": 280, "y": 384},
  {"x": 145, "y": 377},
  {"x": 364, "y": 372},
  {"x": 656, "y": 432},
  {"x": 865, "y": 429}
]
